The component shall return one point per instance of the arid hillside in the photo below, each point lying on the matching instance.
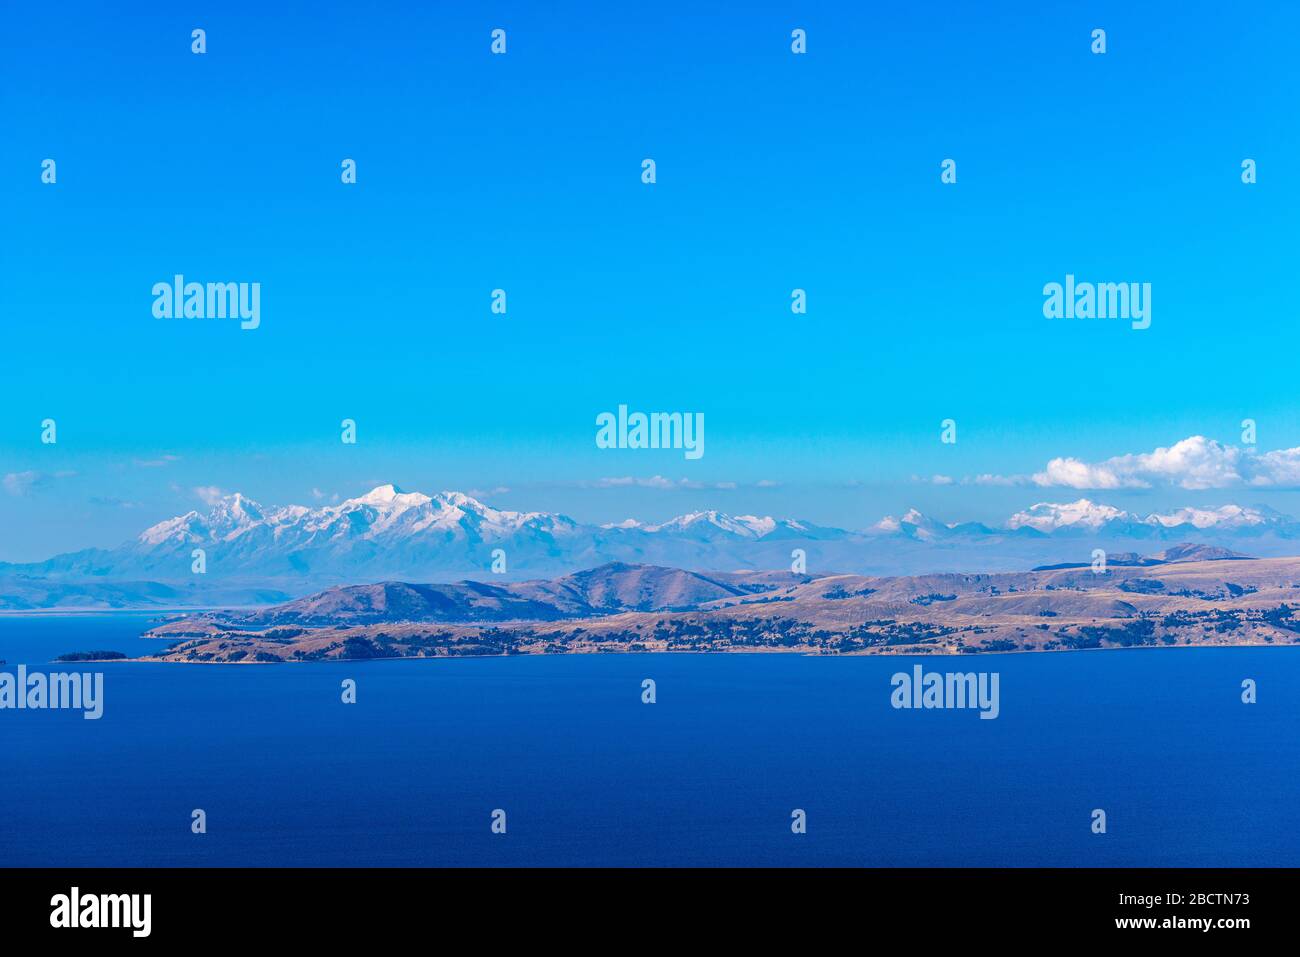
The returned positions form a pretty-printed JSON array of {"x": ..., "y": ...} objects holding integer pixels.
[{"x": 1155, "y": 602}]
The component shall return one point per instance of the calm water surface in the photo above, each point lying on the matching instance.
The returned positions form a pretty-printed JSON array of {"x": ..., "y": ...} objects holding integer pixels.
[{"x": 587, "y": 774}]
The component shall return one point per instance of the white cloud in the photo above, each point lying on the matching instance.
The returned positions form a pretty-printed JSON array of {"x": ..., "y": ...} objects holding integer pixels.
[
  {"x": 1195, "y": 462},
  {"x": 209, "y": 494},
  {"x": 1280, "y": 468},
  {"x": 660, "y": 482},
  {"x": 22, "y": 483},
  {"x": 987, "y": 479},
  {"x": 1072, "y": 473},
  {"x": 482, "y": 493},
  {"x": 628, "y": 481},
  {"x": 156, "y": 463},
  {"x": 112, "y": 501}
]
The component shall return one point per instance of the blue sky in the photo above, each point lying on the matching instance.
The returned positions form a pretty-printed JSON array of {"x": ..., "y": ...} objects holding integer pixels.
[{"x": 522, "y": 172}]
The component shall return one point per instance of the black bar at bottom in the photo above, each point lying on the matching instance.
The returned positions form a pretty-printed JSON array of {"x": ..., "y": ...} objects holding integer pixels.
[{"x": 331, "y": 906}]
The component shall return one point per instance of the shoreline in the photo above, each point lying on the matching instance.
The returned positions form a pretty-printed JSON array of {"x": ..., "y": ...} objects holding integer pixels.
[
  {"x": 69, "y": 612},
  {"x": 747, "y": 651}
]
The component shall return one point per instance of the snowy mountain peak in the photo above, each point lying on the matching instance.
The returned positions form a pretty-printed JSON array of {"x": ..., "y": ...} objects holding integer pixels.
[
  {"x": 234, "y": 511},
  {"x": 385, "y": 496},
  {"x": 1228, "y": 516},
  {"x": 626, "y": 523},
  {"x": 189, "y": 527},
  {"x": 711, "y": 522},
  {"x": 1084, "y": 514},
  {"x": 388, "y": 532},
  {"x": 461, "y": 500},
  {"x": 1051, "y": 516},
  {"x": 913, "y": 524},
  {"x": 759, "y": 526}
]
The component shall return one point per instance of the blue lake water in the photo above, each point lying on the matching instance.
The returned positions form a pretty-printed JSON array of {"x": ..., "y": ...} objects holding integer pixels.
[{"x": 587, "y": 774}]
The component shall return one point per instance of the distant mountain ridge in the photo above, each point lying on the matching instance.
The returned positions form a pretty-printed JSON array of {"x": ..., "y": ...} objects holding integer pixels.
[
  {"x": 612, "y": 588},
  {"x": 1085, "y": 515},
  {"x": 1188, "y": 600},
  {"x": 616, "y": 588},
  {"x": 391, "y": 534},
  {"x": 1183, "y": 552}
]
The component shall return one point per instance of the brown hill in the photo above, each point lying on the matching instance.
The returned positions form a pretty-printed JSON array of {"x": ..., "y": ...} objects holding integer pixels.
[
  {"x": 608, "y": 589},
  {"x": 644, "y": 608}
]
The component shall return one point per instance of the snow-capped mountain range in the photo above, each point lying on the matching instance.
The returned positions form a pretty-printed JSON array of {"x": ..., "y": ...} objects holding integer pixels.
[
  {"x": 1084, "y": 515},
  {"x": 392, "y": 534}
]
